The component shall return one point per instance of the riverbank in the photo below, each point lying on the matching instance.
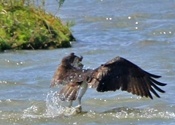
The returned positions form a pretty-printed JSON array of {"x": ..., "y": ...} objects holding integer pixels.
[{"x": 25, "y": 26}]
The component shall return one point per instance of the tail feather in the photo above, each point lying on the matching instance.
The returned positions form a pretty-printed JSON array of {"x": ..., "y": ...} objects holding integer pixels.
[{"x": 69, "y": 92}]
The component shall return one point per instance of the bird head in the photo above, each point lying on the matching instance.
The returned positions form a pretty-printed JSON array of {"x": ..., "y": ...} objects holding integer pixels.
[{"x": 72, "y": 60}]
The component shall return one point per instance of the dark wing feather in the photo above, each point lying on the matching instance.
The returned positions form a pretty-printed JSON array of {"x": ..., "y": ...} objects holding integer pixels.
[{"x": 120, "y": 73}]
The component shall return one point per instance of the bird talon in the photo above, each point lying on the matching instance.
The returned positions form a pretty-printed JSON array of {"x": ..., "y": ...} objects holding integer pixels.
[{"x": 78, "y": 108}]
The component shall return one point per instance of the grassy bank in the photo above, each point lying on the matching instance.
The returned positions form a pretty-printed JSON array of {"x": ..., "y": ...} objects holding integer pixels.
[{"x": 25, "y": 26}]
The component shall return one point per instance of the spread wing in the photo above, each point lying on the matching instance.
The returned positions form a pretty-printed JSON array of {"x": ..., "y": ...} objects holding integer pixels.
[
  {"x": 120, "y": 73},
  {"x": 66, "y": 75}
]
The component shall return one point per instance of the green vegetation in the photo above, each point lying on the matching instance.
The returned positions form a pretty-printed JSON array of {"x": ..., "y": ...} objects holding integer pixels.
[{"x": 26, "y": 26}]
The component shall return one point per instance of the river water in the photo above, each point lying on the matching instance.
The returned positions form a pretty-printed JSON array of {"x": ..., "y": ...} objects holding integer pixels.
[{"x": 141, "y": 31}]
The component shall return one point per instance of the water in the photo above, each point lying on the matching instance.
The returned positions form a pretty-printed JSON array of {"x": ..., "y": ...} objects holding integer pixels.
[{"x": 141, "y": 31}]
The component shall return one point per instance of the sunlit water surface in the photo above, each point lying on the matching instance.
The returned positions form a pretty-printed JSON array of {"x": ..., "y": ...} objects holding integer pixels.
[{"x": 141, "y": 31}]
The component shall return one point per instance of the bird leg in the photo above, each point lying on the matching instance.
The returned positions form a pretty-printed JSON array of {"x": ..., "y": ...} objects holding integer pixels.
[
  {"x": 70, "y": 104},
  {"x": 82, "y": 91}
]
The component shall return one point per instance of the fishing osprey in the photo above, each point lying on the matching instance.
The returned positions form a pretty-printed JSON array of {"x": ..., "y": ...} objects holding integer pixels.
[{"x": 115, "y": 74}]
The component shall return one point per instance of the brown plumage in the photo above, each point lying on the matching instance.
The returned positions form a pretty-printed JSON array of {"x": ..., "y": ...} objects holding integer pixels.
[
  {"x": 69, "y": 92},
  {"x": 70, "y": 67},
  {"x": 115, "y": 74},
  {"x": 120, "y": 73}
]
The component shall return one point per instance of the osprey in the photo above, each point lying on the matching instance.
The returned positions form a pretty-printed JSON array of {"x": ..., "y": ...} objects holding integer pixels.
[{"x": 115, "y": 74}]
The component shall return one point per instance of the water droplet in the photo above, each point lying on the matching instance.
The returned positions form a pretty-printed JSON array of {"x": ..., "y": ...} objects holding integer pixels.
[
  {"x": 75, "y": 123},
  {"x": 5, "y": 82},
  {"x": 108, "y": 18},
  {"x": 8, "y": 100},
  {"x": 129, "y": 17},
  {"x": 7, "y": 60}
]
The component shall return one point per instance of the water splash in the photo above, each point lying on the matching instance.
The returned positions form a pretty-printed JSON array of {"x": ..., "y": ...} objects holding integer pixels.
[
  {"x": 31, "y": 112},
  {"x": 54, "y": 107}
]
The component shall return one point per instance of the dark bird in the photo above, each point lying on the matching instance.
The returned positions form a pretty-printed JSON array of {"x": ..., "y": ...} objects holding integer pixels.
[{"x": 115, "y": 74}]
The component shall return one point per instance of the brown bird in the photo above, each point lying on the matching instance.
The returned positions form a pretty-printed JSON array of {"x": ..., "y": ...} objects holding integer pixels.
[{"x": 115, "y": 74}]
